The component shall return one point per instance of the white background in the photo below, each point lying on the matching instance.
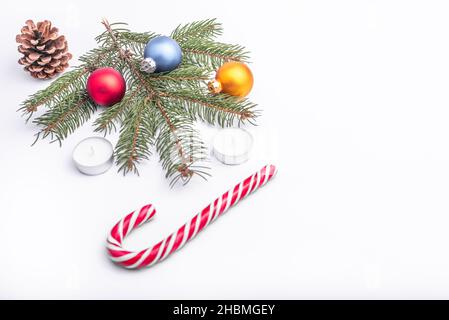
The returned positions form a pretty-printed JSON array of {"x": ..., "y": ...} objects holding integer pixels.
[{"x": 355, "y": 114}]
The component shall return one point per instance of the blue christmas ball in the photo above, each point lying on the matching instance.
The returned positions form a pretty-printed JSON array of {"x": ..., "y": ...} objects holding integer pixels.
[{"x": 165, "y": 53}]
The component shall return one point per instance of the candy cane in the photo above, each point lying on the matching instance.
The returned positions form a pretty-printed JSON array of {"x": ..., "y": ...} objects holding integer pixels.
[{"x": 175, "y": 241}]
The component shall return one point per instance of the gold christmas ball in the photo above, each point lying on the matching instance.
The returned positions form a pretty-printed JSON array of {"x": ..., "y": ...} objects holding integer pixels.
[{"x": 233, "y": 78}]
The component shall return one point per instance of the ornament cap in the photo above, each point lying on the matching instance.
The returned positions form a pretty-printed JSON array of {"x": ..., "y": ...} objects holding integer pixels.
[
  {"x": 148, "y": 65},
  {"x": 215, "y": 86}
]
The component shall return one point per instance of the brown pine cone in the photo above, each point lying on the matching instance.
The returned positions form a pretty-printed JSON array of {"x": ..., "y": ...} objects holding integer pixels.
[{"x": 45, "y": 53}]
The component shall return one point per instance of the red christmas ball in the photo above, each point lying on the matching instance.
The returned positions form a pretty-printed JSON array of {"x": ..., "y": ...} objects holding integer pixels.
[{"x": 106, "y": 86}]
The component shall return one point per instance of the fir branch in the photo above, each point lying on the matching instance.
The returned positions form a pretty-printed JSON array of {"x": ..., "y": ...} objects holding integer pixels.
[
  {"x": 132, "y": 41},
  {"x": 116, "y": 27},
  {"x": 221, "y": 109},
  {"x": 184, "y": 78},
  {"x": 212, "y": 54},
  {"x": 204, "y": 29},
  {"x": 116, "y": 113},
  {"x": 200, "y": 30},
  {"x": 173, "y": 131},
  {"x": 49, "y": 94},
  {"x": 179, "y": 146},
  {"x": 181, "y": 74},
  {"x": 66, "y": 116},
  {"x": 136, "y": 136}
]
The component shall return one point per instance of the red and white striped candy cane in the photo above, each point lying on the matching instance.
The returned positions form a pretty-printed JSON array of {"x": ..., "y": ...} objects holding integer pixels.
[{"x": 175, "y": 241}]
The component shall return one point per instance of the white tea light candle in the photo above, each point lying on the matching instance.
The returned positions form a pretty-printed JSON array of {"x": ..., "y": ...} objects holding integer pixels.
[
  {"x": 232, "y": 145},
  {"x": 93, "y": 155}
]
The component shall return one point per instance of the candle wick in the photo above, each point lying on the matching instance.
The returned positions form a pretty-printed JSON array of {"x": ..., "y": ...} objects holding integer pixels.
[{"x": 92, "y": 151}]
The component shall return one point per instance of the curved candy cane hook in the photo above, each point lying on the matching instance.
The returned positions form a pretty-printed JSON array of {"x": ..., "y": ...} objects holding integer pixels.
[{"x": 175, "y": 241}]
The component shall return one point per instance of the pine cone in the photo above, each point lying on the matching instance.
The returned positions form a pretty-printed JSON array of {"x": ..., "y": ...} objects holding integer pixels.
[{"x": 45, "y": 53}]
